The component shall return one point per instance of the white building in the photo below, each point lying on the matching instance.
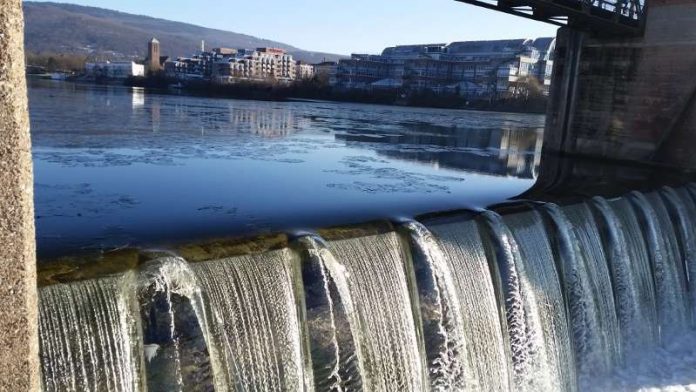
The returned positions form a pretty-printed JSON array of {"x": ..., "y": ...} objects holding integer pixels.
[
  {"x": 118, "y": 70},
  {"x": 224, "y": 65},
  {"x": 304, "y": 71}
]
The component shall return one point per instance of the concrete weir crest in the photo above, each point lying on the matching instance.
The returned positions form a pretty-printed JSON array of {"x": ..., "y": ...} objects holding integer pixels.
[{"x": 19, "y": 370}]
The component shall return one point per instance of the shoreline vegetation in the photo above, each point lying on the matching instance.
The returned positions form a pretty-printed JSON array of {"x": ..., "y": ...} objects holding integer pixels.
[{"x": 315, "y": 89}]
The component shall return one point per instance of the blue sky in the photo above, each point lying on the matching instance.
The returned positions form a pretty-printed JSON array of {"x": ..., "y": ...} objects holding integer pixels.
[{"x": 339, "y": 26}]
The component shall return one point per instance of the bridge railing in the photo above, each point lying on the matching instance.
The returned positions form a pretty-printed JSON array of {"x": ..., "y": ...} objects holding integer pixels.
[
  {"x": 615, "y": 17},
  {"x": 632, "y": 9}
]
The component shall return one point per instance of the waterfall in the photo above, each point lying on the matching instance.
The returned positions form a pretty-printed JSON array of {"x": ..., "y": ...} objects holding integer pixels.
[
  {"x": 519, "y": 322},
  {"x": 587, "y": 287},
  {"x": 332, "y": 321},
  {"x": 554, "y": 367},
  {"x": 670, "y": 284},
  {"x": 251, "y": 302},
  {"x": 630, "y": 272},
  {"x": 529, "y": 297},
  {"x": 89, "y": 336},
  {"x": 179, "y": 350},
  {"x": 681, "y": 209},
  {"x": 463, "y": 334},
  {"x": 377, "y": 282}
]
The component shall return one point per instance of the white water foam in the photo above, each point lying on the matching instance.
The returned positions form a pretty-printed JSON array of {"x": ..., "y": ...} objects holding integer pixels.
[{"x": 670, "y": 368}]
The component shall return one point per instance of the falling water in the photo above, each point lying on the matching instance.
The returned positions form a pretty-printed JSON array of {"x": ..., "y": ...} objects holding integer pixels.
[
  {"x": 492, "y": 303},
  {"x": 683, "y": 215},
  {"x": 332, "y": 321},
  {"x": 630, "y": 271},
  {"x": 89, "y": 336},
  {"x": 252, "y": 305},
  {"x": 464, "y": 337},
  {"x": 179, "y": 351},
  {"x": 377, "y": 281},
  {"x": 523, "y": 324},
  {"x": 670, "y": 284},
  {"x": 543, "y": 297},
  {"x": 588, "y": 290}
]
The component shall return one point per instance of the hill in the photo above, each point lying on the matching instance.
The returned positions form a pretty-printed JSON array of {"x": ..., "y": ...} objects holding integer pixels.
[{"x": 102, "y": 33}]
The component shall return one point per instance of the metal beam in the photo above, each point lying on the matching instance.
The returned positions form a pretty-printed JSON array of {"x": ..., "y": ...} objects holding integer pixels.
[{"x": 612, "y": 17}]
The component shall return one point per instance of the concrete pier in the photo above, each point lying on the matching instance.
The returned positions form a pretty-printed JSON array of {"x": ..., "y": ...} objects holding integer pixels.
[
  {"x": 631, "y": 99},
  {"x": 19, "y": 370}
]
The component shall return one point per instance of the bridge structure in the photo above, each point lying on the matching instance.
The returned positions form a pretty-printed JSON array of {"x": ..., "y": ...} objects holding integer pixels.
[
  {"x": 608, "y": 17},
  {"x": 624, "y": 80}
]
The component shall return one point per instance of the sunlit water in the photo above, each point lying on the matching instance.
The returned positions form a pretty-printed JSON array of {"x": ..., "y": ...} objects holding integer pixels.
[{"x": 116, "y": 166}]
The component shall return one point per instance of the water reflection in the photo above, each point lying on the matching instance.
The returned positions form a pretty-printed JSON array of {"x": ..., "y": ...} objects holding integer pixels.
[
  {"x": 138, "y": 95},
  {"x": 504, "y": 152},
  {"x": 118, "y": 166}
]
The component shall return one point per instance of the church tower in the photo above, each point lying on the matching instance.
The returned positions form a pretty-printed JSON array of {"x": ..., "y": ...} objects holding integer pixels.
[{"x": 153, "y": 56}]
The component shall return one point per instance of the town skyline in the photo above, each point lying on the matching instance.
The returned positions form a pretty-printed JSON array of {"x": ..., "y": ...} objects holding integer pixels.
[{"x": 324, "y": 26}]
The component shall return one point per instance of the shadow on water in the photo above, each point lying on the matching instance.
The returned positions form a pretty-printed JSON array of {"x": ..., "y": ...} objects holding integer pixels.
[{"x": 567, "y": 178}]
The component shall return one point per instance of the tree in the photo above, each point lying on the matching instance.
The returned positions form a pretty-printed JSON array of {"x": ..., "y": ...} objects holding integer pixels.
[{"x": 528, "y": 87}]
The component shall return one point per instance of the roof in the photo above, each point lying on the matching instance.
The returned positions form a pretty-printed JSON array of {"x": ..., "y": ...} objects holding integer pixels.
[
  {"x": 154, "y": 40},
  {"x": 543, "y": 44},
  {"x": 486, "y": 46},
  {"x": 408, "y": 49},
  {"x": 388, "y": 83}
]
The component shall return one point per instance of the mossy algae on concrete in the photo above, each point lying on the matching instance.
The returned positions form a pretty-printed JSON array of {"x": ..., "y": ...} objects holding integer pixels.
[
  {"x": 355, "y": 231},
  {"x": 76, "y": 268},
  {"x": 224, "y": 248},
  {"x": 103, "y": 263}
]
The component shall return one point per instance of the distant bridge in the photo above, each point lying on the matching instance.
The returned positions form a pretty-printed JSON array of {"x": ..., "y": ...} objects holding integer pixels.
[{"x": 606, "y": 17}]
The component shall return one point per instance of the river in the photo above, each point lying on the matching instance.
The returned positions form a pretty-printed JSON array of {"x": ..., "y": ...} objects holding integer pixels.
[{"x": 117, "y": 167}]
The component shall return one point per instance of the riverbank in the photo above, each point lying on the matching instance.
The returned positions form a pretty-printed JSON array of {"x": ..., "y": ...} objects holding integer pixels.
[{"x": 315, "y": 90}]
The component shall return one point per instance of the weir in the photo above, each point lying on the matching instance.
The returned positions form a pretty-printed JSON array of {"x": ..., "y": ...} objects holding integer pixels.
[
  {"x": 524, "y": 297},
  {"x": 536, "y": 297}
]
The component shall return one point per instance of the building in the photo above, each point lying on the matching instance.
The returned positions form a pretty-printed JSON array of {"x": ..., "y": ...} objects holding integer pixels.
[
  {"x": 304, "y": 71},
  {"x": 274, "y": 63},
  {"x": 491, "y": 69},
  {"x": 185, "y": 68},
  {"x": 362, "y": 70},
  {"x": 226, "y": 65},
  {"x": 116, "y": 70},
  {"x": 547, "y": 65},
  {"x": 326, "y": 71},
  {"x": 154, "y": 61}
]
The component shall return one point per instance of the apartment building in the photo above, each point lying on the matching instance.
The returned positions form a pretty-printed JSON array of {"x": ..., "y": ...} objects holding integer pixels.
[
  {"x": 474, "y": 68},
  {"x": 304, "y": 71},
  {"x": 327, "y": 71},
  {"x": 226, "y": 65}
]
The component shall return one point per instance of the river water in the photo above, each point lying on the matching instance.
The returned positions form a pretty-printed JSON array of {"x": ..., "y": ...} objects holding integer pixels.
[
  {"x": 588, "y": 294},
  {"x": 117, "y": 166}
]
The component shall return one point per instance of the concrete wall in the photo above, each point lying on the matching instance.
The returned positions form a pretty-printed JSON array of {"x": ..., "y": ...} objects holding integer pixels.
[
  {"x": 633, "y": 99},
  {"x": 19, "y": 369}
]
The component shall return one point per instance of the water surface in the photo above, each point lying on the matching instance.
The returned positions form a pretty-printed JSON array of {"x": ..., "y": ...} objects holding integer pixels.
[{"x": 118, "y": 166}]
